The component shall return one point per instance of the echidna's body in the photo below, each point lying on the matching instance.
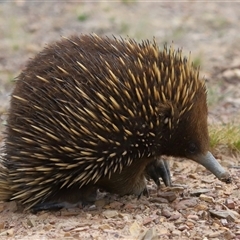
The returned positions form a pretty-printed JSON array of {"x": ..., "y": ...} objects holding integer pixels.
[{"x": 91, "y": 112}]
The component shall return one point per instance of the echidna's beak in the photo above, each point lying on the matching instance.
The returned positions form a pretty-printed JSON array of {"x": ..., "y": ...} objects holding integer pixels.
[{"x": 210, "y": 163}]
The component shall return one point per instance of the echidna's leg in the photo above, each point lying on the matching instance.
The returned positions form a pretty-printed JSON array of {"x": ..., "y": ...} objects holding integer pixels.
[
  {"x": 159, "y": 169},
  {"x": 52, "y": 206},
  {"x": 67, "y": 198}
]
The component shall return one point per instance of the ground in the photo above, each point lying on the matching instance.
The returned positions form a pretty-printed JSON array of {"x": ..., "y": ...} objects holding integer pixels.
[{"x": 204, "y": 207}]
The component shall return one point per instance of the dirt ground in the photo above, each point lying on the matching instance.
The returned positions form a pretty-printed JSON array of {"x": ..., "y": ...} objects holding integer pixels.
[{"x": 203, "y": 207}]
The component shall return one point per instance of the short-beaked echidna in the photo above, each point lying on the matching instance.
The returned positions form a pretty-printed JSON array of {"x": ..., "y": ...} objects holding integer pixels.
[{"x": 92, "y": 112}]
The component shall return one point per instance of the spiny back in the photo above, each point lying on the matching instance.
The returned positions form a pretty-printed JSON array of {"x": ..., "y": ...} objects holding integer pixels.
[{"x": 86, "y": 107}]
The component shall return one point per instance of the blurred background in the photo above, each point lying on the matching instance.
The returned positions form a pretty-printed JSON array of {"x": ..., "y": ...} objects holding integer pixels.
[{"x": 209, "y": 30}]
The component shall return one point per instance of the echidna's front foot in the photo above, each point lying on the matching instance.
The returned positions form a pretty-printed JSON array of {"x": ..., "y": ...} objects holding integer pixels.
[{"x": 159, "y": 169}]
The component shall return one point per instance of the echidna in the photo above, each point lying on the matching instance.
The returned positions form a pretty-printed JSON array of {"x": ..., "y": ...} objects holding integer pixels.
[{"x": 91, "y": 112}]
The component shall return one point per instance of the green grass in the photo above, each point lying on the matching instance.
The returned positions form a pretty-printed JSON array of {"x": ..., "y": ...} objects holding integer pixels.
[
  {"x": 217, "y": 22},
  {"x": 215, "y": 93},
  {"x": 128, "y": 1},
  {"x": 225, "y": 138},
  {"x": 124, "y": 28},
  {"x": 83, "y": 17},
  {"x": 197, "y": 61}
]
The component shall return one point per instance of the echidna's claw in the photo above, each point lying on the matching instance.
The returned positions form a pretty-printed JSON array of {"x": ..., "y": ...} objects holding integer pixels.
[{"x": 159, "y": 169}]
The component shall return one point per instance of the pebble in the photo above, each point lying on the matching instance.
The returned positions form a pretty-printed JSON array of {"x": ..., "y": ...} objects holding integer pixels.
[
  {"x": 206, "y": 198},
  {"x": 149, "y": 234},
  {"x": 47, "y": 227},
  {"x": 110, "y": 213},
  {"x": 166, "y": 213},
  {"x": 68, "y": 228},
  {"x": 224, "y": 221},
  {"x": 69, "y": 213},
  {"x": 190, "y": 224},
  {"x": 134, "y": 229},
  {"x": 159, "y": 200},
  {"x": 130, "y": 206},
  {"x": 229, "y": 234},
  {"x": 31, "y": 222},
  {"x": 138, "y": 217},
  {"x": 2, "y": 225},
  {"x": 198, "y": 192},
  {"x": 67, "y": 235},
  {"x": 163, "y": 231},
  {"x": 115, "y": 205},
  {"x": 230, "y": 204},
  {"x": 214, "y": 234},
  {"x": 147, "y": 220},
  {"x": 176, "y": 233},
  {"x": 8, "y": 232},
  {"x": 88, "y": 216},
  {"x": 228, "y": 214},
  {"x": 193, "y": 217},
  {"x": 170, "y": 196},
  {"x": 80, "y": 229},
  {"x": 174, "y": 216},
  {"x": 203, "y": 214},
  {"x": 231, "y": 73},
  {"x": 187, "y": 203},
  {"x": 183, "y": 227},
  {"x": 201, "y": 207},
  {"x": 207, "y": 180},
  {"x": 2, "y": 206},
  {"x": 104, "y": 227}
]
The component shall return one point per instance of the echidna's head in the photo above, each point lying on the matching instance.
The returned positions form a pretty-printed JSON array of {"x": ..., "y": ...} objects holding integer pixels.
[
  {"x": 187, "y": 133},
  {"x": 183, "y": 107},
  {"x": 183, "y": 112}
]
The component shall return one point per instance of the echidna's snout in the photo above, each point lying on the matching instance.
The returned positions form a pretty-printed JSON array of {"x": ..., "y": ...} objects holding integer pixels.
[{"x": 210, "y": 163}]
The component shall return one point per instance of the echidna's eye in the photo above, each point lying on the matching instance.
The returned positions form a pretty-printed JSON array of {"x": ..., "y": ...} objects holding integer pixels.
[{"x": 192, "y": 148}]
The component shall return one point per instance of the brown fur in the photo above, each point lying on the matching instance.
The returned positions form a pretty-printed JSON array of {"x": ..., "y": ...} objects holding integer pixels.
[{"x": 53, "y": 144}]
